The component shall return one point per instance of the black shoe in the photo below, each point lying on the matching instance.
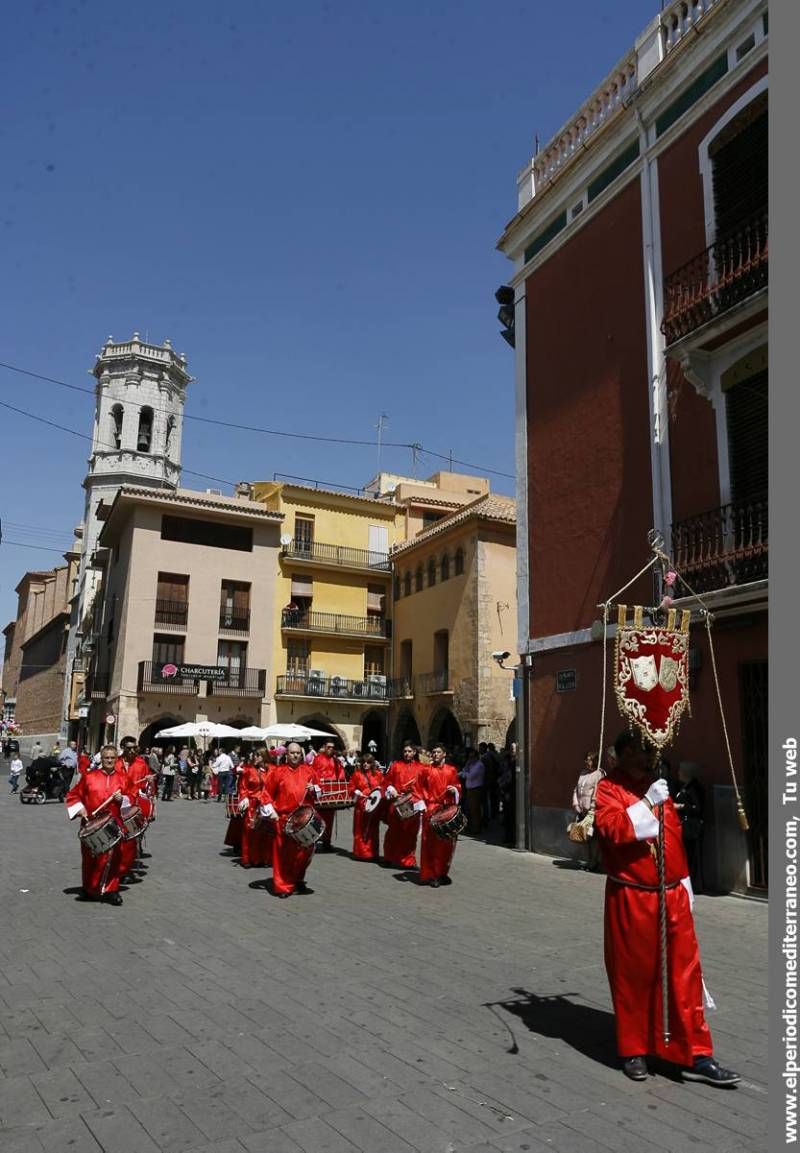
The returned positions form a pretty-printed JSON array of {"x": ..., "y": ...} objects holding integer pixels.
[
  {"x": 445, "y": 880},
  {"x": 284, "y": 896},
  {"x": 706, "y": 1069},
  {"x": 635, "y": 1068},
  {"x": 302, "y": 887},
  {"x": 435, "y": 883},
  {"x": 113, "y": 899}
]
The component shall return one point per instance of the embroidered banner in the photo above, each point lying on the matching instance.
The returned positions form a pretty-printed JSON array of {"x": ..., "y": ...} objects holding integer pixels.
[{"x": 651, "y": 675}]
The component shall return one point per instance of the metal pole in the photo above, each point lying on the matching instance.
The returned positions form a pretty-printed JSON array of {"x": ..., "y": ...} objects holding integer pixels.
[{"x": 522, "y": 838}]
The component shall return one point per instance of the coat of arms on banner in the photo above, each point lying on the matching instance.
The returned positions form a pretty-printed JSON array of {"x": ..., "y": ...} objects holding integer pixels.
[{"x": 651, "y": 675}]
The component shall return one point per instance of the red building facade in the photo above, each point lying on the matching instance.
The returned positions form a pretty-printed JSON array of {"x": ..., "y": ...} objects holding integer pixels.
[{"x": 640, "y": 278}]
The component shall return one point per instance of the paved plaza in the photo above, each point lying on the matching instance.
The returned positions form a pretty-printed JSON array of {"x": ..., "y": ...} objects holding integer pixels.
[{"x": 371, "y": 1015}]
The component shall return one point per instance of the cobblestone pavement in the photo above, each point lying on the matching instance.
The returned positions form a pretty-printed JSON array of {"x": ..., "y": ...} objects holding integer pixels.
[{"x": 372, "y": 1015}]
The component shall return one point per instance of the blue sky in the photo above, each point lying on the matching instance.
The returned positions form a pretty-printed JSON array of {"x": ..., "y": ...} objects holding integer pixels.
[{"x": 304, "y": 198}]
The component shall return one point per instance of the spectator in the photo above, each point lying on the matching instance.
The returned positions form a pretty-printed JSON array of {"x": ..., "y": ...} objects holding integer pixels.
[
  {"x": 206, "y": 778},
  {"x": 193, "y": 773},
  {"x": 473, "y": 775},
  {"x": 507, "y": 782},
  {"x": 168, "y": 772},
  {"x": 14, "y": 770},
  {"x": 36, "y": 751},
  {"x": 223, "y": 767},
  {"x": 583, "y": 803},
  {"x": 182, "y": 777},
  {"x": 154, "y": 761},
  {"x": 491, "y": 763},
  {"x": 690, "y": 805},
  {"x": 68, "y": 761}
]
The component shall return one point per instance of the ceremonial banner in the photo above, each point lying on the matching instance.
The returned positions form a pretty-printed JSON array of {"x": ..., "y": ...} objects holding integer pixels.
[{"x": 651, "y": 675}]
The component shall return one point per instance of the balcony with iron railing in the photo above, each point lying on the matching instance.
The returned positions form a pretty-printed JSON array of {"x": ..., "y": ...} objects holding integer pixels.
[
  {"x": 172, "y": 613},
  {"x": 723, "y": 547},
  {"x": 304, "y": 684},
  {"x": 439, "y": 682},
  {"x": 239, "y": 682},
  {"x": 151, "y": 681},
  {"x": 373, "y": 627},
  {"x": 400, "y": 688},
  {"x": 97, "y": 685},
  {"x": 731, "y": 271},
  {"x": 336, "y": 556},
  {"x": 234, "y": 620}
]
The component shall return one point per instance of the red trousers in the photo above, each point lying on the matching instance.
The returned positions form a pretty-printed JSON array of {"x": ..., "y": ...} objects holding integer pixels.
[
  {"x": 289, "y": 860},
  {"x": 256, "y": 843},
  {"x": 435, "y": 853},
  {"x": 366, "y": 835},
  {"x": 327, "y": 820},
  {"x": 400, "y": 842},
  {"x": 101, "y": 874},
  {"x": 233, "y": 835}
]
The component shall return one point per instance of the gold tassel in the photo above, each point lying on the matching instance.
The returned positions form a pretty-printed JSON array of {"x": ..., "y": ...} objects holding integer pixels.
[
  {"x": 686, "y": 616},
  {"x": 637, "y": 616},
  {"x": 744, "y": 824},
  {"x": 622, "y": 616},
  {"x": 671, "y": 619}
]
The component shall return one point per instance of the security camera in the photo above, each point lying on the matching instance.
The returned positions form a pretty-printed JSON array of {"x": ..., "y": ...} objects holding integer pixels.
[{"x": 500, "y": 657}]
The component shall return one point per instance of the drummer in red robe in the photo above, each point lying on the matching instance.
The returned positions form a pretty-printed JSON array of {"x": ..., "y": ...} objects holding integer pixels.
[
  {"x": 256, "y": 846},
  {"x": 366, "y": 826},
  {"x": 286, "y": 788},
  {"x": 328, "y": 768},
  {"x": 400, "y": 842},
  {"x": 437, "y": 786},
  {"x": 139, "y": 779},
  {"x": 101, "y": 874},
  {"x": 626, "y": 821}
]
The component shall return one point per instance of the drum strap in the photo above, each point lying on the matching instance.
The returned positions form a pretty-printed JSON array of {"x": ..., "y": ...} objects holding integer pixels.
[{"x": 645, "y": 888}]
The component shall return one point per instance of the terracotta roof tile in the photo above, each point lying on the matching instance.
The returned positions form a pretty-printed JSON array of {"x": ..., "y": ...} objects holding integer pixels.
[{"x": 491, "y": 507}]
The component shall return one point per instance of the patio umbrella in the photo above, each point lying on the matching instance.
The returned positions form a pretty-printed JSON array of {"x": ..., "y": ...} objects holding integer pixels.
[
  {"x": 292, "y": 732},
  {"x": 199, "y": 729},
  {"x": 252, "y": 733}
]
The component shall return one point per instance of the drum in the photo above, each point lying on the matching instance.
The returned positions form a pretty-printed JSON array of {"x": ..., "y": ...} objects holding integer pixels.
[
  {"x": 232, "y": 806},
  {"x": 448, "y": 822},
  {"x": 305, "y": 826},
  {"x": 134, "y": 821},
  {"x": 373, "y": 801},
  {"x": 404, "y": 805},
  {"x": 100, "y": 834}
]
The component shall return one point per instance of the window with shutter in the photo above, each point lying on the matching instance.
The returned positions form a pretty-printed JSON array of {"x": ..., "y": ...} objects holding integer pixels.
[
  {"x": 740, "y": 171},
  {"x": 746, "y": 408}
]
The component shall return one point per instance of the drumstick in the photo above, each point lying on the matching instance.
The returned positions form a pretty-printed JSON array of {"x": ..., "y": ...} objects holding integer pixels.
[{"x": 107, "y": 801}]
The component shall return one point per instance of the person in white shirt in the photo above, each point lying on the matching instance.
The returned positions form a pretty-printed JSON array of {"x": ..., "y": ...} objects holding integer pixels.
[
  {"x": 14, "y": 771},
  {"x": 223, "y": 767}
]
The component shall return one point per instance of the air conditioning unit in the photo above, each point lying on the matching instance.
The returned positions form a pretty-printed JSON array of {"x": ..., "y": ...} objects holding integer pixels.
[
  {"x": 377, "y": 679},
  {"x": 315, "y": 674}
]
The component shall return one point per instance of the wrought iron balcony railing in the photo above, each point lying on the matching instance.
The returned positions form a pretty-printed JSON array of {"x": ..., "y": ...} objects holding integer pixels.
[
  {"x": 312, "y": 622},
  {"x": 172, "y": 613},
  {"x": 151, "y": 680},
  {"x": 398, "y": 688},
  {"x": 234, "y": 622},
  {"x": 729, "y": 271},
  {"x": 434, "y": 682},
  {"x": 305, "y": 685},
  {"x": 723, "y": 547},
  {"x": 98, "y": 684},
  {"x": 335, "y": 554},
  {"x": 239, "y": 682}
]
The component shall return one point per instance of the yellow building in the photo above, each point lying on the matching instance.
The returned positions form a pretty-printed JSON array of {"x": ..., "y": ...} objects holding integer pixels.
[
  {"x": 331, "y": 641},
  {"x": 455, "y": 605}
]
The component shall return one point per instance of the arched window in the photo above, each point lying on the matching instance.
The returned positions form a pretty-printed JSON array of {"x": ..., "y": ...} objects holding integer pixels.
[
  {"x": 145, "y": 435},
  {"x": 407, "y": 584},
  {"x": 446, "y": 567},
  {"x": 116, "y": 426},
  {"x": 459, "y": 561},
  {"x": 431, "y": 572},
  {"x": 418, "y": 579}
]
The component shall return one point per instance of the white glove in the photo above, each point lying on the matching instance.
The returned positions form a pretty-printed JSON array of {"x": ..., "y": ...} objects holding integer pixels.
[
  {"x": 419, "y": 806},
  {"x": 452, "y": 789},
  {"x": 244, "y": 805},
  {"x": 76, "y": 810},
  {"x": 658, "y": 792},
  {"x": 357, "y": 793},
  {"x": 316, "y": 790},
  {"x": 391, "y": 792},
  {"x": 268, "y": 811},
  {"x": 687, "y": 884}
]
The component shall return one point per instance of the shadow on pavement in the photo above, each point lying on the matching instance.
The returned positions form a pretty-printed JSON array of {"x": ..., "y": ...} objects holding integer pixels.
[{"x": 588, "y": 1030}]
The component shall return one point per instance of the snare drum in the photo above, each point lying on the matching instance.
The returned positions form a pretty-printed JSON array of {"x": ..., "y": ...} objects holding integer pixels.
[
  {"x": 100, "y": 834},
  {"x": 373, "y": 801},
  {"x": 404, "y": 806},
  {"x": 232, "y": 806},
  {"x": 134, "y": 821},
  {"x": 305, "y": 826},
  {"x": 448, "y": 822}
]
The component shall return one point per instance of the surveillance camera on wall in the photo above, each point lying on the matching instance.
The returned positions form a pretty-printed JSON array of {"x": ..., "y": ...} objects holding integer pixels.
[{"x": 500, "y": 657}]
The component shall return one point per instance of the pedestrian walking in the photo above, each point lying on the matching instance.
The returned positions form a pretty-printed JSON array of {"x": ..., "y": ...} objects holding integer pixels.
[{"x": 14, "y": 772}]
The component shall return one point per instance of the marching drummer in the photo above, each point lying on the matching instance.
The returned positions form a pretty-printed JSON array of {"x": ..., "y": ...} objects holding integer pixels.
[
  {"x": 288, "y": 787},
  {"x": 105, "y": 788},
  {"x": 328, "y": 768},
  {"x": 366, "y": 779},
  {"x": 400, "y": 842},
  {"x": 139, "y": 778},
  {"x": 437, "y": 787},
  {"x": 255, "y": 846}
]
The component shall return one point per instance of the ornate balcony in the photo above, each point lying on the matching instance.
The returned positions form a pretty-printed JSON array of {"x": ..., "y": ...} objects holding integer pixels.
[
  {"x": 729, "y": 272},
  {"x": 723, "y": 547},
  {"x": 430, "y": 683},
  {"x": 304, "y": 684},
  {"x": 374, "y": 627},
  {"x": 338, "y": 556},
  {"x": 239, "y": 682},
  {"x": 151, "y": 680},
  {"x": 234, "y": 622},
  {"x": 400, "y": 688},
  {"x": 173, "y": 613}
]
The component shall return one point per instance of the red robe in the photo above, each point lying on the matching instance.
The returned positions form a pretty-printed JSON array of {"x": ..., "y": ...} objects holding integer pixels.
[
  {"x": 255, "y": 842},
  {"x": 400, "y": 842},
  {"x": 328, "y": 769},
  {"x": 632, "y": 952},
  {"x": 100, "y": 874},
  {"x": 435, "y": 853},
  {"x": 366, "y": 826},
  {"x": 137, "y": 772},
  {"x": 287, "y": 788}
]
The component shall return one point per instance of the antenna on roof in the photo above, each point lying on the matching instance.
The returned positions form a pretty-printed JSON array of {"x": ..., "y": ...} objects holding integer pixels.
[
  {"x": 416, "y": 448},
  {"x": 383, "y": 419}
]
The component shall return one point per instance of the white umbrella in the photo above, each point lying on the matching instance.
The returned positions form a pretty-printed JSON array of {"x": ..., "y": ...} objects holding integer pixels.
[
  {"x": 252, "y": 733},
  {"x": 292, "y": 732},
  {"x": 199, "y": 729}
]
